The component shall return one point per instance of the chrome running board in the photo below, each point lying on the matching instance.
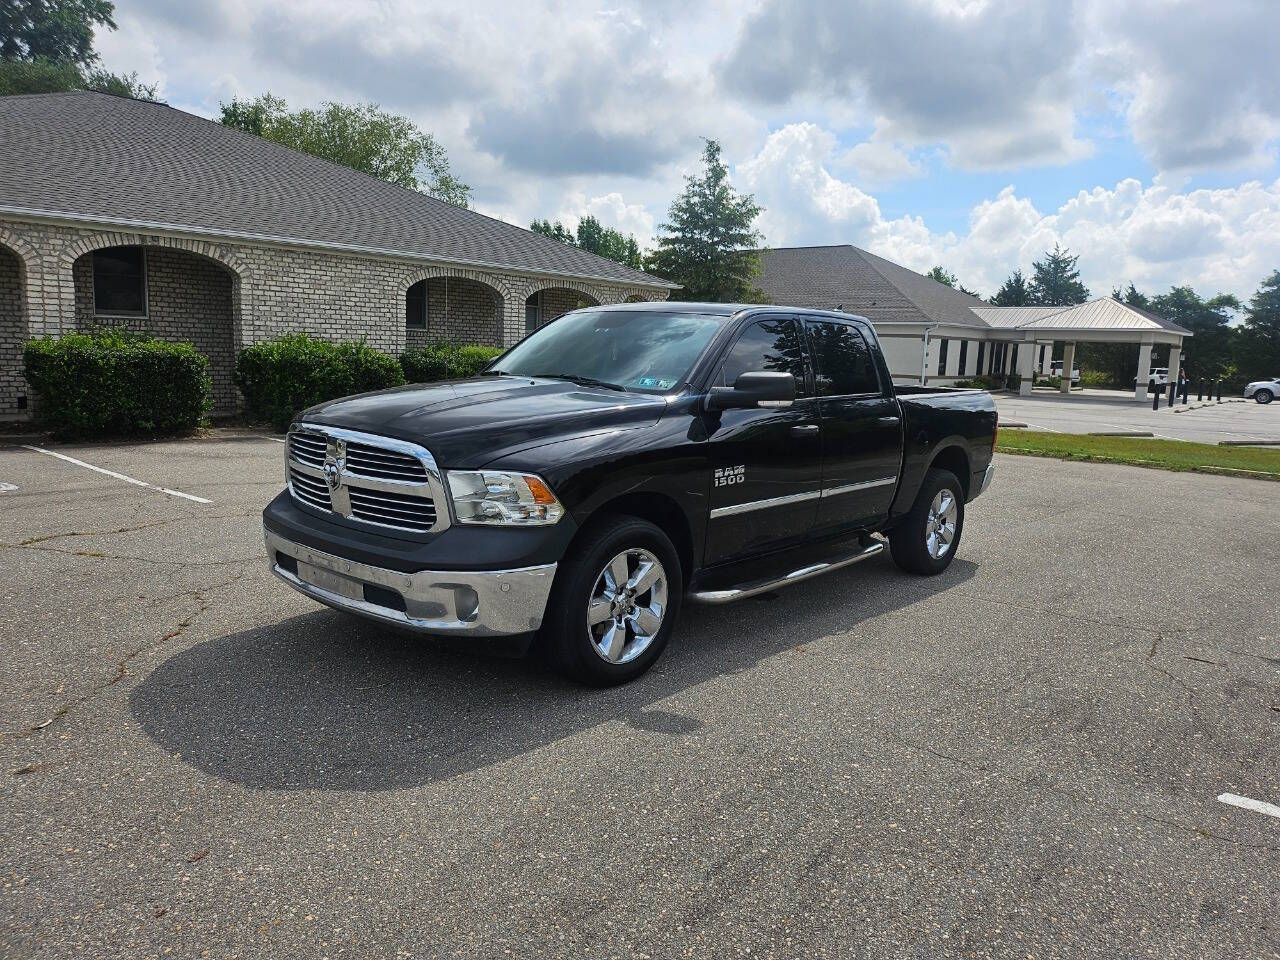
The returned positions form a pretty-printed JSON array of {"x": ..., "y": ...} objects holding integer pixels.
[{"x": 741, "y": 592}]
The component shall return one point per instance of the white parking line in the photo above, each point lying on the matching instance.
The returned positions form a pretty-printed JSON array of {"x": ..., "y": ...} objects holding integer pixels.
[
  {"x": 1244, "y": 803},
  {"x": 118, "y": 476}
]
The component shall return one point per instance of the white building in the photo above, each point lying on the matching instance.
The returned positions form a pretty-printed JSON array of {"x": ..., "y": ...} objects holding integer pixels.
[{"x": 932, "y": 333}]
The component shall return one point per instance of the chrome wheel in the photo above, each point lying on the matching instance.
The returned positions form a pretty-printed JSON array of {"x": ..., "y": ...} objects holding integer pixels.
[
  {"x": 940, "y": 525},
  {"x": 627, "y": 605}
]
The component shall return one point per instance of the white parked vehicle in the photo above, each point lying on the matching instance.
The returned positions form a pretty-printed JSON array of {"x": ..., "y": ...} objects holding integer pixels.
[
  {"x": 1264, "y": 391},
  {"x": 1159, "y": 377},
  {"x": 1055, "y": 370}
]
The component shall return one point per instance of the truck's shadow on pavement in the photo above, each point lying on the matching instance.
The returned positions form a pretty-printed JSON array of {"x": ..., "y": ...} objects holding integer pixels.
[{"x": 326, "y": 701}]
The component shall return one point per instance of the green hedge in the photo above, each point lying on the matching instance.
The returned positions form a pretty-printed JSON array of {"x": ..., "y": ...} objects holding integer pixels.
[
  {"x": 446, "y": 361},
  {"x": 282, "y": 377},
  {"x": 111, "y": 382}
]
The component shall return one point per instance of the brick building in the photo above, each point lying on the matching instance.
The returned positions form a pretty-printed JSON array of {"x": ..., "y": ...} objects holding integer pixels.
[{"x": 126, "y": 212}]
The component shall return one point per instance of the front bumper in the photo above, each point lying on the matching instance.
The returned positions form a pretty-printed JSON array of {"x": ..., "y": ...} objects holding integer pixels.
[{"x": 479, "y": 603}]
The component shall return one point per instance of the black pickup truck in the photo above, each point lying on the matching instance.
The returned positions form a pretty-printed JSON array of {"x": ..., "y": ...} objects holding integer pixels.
[{"x": 621, "y": 460}]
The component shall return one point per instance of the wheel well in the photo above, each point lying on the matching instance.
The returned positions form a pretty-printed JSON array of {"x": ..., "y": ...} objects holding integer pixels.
[
  {"x": 957, "y": 461},
  {"x": 662, "y": 512}
]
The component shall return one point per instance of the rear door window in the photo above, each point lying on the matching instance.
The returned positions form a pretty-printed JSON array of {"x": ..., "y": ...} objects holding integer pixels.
[{"x": 842, "y": 361}]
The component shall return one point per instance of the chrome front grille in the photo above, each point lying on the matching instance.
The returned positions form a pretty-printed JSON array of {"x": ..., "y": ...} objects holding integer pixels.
[
  {"x": 312, "y": 492},
  {"x": 308, "y": 448},
  {"x": 367, "y": 461},
  {"x": 369, "y": 479},
  {"x": 392, "y": 509}
]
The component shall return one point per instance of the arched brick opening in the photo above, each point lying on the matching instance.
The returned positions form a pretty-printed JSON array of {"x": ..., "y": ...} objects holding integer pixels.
[
  {"x": 635, "y": 298},
  {"x": 451, "y": 308},
  {"x": 13, "y": 331},
  {"x": 166, "y": 291},
  {"x": 544, "y": 305}
]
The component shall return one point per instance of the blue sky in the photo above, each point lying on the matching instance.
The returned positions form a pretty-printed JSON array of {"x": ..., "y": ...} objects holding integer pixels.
[{"x": 973, "y": 133}]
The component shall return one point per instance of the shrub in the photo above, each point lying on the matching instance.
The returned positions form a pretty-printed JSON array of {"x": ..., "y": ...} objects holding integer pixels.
[
  {"x": 111, "y": 382},
  {"x": 281, "y": 377},
  {"x": 1096, "y": 378},
  {"x": 446, "y": 361}
]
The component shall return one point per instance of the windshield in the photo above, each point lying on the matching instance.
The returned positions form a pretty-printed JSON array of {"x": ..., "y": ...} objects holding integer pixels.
[{"x": 637, "y": 350}]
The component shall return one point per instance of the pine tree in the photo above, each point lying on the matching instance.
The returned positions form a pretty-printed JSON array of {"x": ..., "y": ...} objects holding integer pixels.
[
  {"x": 1056, "y": 281},
  {"x": 709, "y": 244},
  {"x": 1013, "y": 292}
]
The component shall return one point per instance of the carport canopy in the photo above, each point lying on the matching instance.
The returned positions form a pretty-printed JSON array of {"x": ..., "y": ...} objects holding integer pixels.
[{"x": 1104, "y": 320}]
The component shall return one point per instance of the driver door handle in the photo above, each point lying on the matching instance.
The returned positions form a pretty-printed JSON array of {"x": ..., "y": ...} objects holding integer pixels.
[
  {"x": 888, "y": 420},
  {"x": 803, "y": 430}
]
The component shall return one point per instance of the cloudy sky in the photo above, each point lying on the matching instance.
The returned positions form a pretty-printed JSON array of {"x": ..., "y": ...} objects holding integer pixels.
[{"x": 1141, "y": 134}]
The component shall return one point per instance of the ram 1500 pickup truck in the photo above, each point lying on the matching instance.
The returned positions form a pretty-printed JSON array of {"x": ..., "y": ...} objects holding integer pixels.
[{"x": 617, "y": 462}]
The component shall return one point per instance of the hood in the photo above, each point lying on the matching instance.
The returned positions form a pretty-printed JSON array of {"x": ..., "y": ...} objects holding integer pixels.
[{"x": 468, "y": 423}]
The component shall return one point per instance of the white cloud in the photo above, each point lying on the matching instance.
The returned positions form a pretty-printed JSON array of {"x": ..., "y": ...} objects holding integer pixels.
[
  {"x": 612, "y": 211},
  {"x": 1154, "y": 236},
  {"x": 878, "y": 161}
]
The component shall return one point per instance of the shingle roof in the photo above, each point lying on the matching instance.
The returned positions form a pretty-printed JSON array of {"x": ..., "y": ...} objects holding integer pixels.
[
  {"x": 849, "y": 278},
  {"x": 111, "y": 159}
]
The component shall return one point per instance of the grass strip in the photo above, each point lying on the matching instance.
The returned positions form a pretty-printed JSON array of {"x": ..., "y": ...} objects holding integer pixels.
[{"x": 1142, "y": 452}]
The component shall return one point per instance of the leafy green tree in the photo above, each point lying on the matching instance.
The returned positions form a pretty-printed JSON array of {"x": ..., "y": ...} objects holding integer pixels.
[
  {"x": 1055, "y": 281},
  {"x": 709, "y": 243},
  {"x": 556, "y": 231},
  {"x": 53, "y": 30},
  {"x": 1211, "y": 352},
  {"x": 1258, "y": 344},
  {"x": 38, "y": 76},
  {"x": 942, "y": 275},
  {"x": 49, "y": 76},
  {"x": 609, "y": 243},
  {"x": 361, "y": 136},
  {"x": 1013, "y": 292},
  {"x": 596, "y": 238}
]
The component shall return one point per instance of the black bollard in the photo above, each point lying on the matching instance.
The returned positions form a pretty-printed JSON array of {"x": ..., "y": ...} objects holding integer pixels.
[
  {"x": 1173, "y": 394},
  {"x": 1155, "y": 399},
  {"x": 1219, "y": 390},
  {"x": 1200, "y": 389}
]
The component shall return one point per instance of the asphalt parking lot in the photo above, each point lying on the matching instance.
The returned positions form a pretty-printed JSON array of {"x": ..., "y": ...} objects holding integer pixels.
[
  {"x": 1101, "y": 411},
  {"x": 1022, "y": 757}
]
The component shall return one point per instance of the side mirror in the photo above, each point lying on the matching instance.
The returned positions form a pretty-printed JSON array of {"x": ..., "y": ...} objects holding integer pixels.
[{"x": 755, "y": 389}]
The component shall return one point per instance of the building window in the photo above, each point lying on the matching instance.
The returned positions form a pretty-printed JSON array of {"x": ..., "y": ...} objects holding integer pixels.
[
  {"x": 982, "y": 348},
  {"x": 964, "y": 356},
  {"x": 1040, "y": 364},
  {"x": 120, "y": 282},
  {"x": 942, "y": 357},
  {"x": 415, "y": 306},
  {"x": 1013, "y": 359},
  {"x": 533, "y": 312}
]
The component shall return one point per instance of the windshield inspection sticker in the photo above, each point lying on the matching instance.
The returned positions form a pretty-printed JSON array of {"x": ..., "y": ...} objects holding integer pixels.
[
  {"x": 655, "y": 383},
  {"x": 647, "y": 382}
]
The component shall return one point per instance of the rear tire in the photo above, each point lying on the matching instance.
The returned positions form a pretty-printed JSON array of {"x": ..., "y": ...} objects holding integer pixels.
[
  {"x": 601, "y": 629},
  {"x": 925, "y": 541},
  {"x": 1264, "y": 396}
]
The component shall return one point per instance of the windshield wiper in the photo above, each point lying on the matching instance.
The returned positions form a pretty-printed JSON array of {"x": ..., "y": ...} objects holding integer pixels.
[
  {"x": 493, "y": 373},
  {"x": 584, "y": 381}
]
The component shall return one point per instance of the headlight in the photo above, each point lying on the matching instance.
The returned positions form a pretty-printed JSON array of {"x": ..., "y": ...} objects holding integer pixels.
[{"x": 488, "y": 496}]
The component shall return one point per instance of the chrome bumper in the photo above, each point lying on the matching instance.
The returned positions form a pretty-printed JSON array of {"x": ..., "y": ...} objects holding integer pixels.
[
  {"x": 480, "y": 603},
  {"x": 986, "y": 479}
]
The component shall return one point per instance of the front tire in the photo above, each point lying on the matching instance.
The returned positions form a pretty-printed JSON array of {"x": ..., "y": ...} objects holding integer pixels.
[
  {"x": 1264, "y": 396},
  {"x": 615, "y": 602},
  {"x": 926, "y": 539}
]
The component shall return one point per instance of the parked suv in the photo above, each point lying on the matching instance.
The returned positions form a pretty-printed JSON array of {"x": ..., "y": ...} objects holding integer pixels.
[
  {"x": 618, "y": 461},
  {"x": 1264, "y": 391}
]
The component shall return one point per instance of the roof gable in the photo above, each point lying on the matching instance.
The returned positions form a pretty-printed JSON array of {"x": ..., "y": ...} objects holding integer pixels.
[
  {"x": 101, "y": 158},
  {"x": 851, "y": 279}
]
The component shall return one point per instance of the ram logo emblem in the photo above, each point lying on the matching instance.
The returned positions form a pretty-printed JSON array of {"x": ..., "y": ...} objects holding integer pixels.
[{"x": 727, "y": 476}]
